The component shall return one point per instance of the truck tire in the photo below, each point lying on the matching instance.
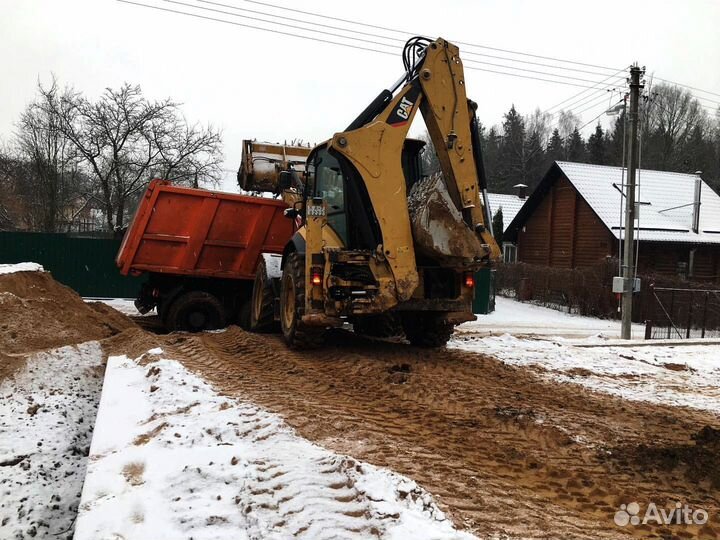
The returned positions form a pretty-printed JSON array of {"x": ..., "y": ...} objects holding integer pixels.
[
  {"x": 195, "y": 311},
  {"x": 262, "y": 313},
  {"x": 383, "y": 325},
  {"x": 426, "y": 329},
  {"x": 292, "y": 307}
]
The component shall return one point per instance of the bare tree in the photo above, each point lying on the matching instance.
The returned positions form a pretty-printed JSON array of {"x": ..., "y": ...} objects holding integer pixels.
[
  {"x": 539, "y": 122},
  {"x": 670, "y": 116},
  {"x": 567, "y": 123},
  {"x": 125, "y": 139},
  {"x": 51, "y": 174}
]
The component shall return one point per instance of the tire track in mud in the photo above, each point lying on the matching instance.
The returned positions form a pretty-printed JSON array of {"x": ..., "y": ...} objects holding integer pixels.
[{"x": 503, "y": 451}]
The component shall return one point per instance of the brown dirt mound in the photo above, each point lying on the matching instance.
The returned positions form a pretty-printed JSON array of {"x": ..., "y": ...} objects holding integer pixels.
[{"x": 40, "y": 313}]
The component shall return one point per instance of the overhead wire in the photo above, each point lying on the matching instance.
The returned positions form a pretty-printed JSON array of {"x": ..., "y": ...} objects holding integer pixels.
[
  {"x": 408, "y": 33},
  {"x": 584, "y": 100},
  {"x": 364, "y": 40},
  {"x": 584, "y": 91},
  {"x": 348, "y": 45},
  {"x": 397, "y": 40},
  {"x": 690, "y": 87}
]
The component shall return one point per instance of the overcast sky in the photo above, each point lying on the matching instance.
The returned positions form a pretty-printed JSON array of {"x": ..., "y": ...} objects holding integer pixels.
[{"x": 260, "y": 85}]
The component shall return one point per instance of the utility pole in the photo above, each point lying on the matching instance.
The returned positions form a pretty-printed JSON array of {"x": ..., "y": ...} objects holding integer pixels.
[{"x": 629, "y": 251}]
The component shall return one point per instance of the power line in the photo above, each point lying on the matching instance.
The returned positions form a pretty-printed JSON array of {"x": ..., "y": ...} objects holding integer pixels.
[
  {"x": 584, "y": 100},
  {"x": 598, "y": 116},
  {"x": 254, "y": 27},
  {"x": 583, "y": 91},
  {"x": 371, "y": 42},
  {"x": 359, "y": 47},
  {"x": 405, "y": 32},
  {"x": 396, "y": 40},
  {"x": 595, "y": 104},
  {"x": 690, "y": 87}
]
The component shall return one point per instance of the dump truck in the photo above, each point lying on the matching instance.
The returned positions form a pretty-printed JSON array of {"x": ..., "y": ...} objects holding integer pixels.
[
  {"x": 200, "y": 249},
  {"x": 379, "y": 244}
]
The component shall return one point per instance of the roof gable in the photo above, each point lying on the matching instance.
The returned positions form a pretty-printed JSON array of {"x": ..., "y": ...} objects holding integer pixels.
[{"x": 666, "y": 209}]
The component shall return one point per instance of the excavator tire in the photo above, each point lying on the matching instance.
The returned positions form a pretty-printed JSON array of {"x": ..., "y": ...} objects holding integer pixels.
[
  {"x": 426, "y": 329},
  {"x": 384, "y": 325},
  {"x": 195, "y": 311},
  {"x": 292, "y": 307},
  {"x": 262, "y": 317}
]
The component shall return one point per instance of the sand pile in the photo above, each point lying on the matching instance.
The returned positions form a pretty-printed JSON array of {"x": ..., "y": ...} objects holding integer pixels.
[{"x": 37, "y": 312}]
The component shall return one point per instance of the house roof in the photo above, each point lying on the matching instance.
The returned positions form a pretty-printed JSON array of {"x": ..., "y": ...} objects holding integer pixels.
[
  {"x": 666, "y": 202},
  {"x": 510, "y": 205}
]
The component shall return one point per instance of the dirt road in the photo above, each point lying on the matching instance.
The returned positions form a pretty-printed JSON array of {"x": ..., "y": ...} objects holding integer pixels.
[{"x": 504, "y": 452}]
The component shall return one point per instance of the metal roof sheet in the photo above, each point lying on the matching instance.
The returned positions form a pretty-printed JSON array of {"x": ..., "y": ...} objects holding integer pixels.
[
  {"x": 510, "y": 204},
  {"x": 666, "y": 209}
]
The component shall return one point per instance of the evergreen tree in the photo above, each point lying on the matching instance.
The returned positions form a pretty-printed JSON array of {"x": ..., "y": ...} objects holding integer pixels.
[
  {"x": 512, "y": 165},
  {"x": 596, "y": 147},
  {"x": 616, "y": 140},
  {"x": 491, "y": 152},
  {"x": 555, "y": 148},
  {"x": 575, "y": 147},
  {"x": 535, "y": 160},
  {"x": 498, "y": 226}
]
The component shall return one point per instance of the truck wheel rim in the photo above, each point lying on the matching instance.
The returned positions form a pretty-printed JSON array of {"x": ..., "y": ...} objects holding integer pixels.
[
  {"x": 257, "y": 300},
  {"x": 288, "y": 312}
]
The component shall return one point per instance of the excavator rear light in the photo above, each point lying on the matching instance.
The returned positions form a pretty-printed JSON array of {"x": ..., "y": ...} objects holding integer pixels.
[
  {"x": 469, "y": 280},
  {"x": 316, "y": 277}
]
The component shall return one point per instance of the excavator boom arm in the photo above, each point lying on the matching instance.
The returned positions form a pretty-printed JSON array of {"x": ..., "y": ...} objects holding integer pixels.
[{"x": 373, "y": 143}]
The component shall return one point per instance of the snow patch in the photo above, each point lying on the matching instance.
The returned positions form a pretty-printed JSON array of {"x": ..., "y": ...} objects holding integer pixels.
[
  {"x": 520, "y": 318},
  {"x": 21, "y": 267},
  {"x": 678, "y": 375},
  {"x": 47, "y": 411},
  {"x": 171, "y": 458}
]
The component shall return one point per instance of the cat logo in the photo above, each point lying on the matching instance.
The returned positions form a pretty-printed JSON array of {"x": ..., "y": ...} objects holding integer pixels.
[
  {"x": 402, "y": 112},
  {"x": 405, "y": 108}
]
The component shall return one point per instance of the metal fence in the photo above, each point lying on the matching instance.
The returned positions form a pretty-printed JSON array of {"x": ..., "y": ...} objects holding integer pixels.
[
  {"x": 680, "y": 313},
  {"x": 85, "y": 263}
]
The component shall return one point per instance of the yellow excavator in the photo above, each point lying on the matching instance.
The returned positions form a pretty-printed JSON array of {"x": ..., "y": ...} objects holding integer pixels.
[{"x": 380, "y": 245}]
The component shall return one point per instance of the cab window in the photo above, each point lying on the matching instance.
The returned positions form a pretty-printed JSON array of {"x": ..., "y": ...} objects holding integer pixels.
[{"x": 330, "y": 186}]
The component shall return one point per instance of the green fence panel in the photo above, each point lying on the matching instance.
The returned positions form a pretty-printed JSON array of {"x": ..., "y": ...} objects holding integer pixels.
[
  {"x": 83, "y": 263},
  {"x": 484, "y": 300}
]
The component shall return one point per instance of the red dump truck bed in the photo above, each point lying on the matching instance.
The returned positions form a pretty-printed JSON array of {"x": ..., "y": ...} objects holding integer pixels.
[{"x": 201, "y": 233}]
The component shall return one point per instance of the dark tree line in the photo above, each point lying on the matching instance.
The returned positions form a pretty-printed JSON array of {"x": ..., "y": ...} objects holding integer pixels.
[{"x": 676, "y": 134}]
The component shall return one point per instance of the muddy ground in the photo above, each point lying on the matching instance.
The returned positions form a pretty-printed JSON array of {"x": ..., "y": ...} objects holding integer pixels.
[{"x": 504, "y": 452}]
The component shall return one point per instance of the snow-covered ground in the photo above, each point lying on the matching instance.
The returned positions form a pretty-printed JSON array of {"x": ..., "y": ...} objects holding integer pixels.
[
  {"x": 518, "y": 318},
  {"x": 20, "y": 267},
  {"x": 123, "y": 305},
  {"x": 675, "y": 372},
  {"x": 47, "y": 410},
  {"x": 171, "y": 458}
]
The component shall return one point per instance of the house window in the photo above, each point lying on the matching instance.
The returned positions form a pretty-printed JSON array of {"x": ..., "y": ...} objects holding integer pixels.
[{"x": 509, "y": 252}]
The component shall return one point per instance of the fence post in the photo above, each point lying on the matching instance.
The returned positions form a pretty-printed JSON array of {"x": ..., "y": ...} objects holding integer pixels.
[
  {"x": 704, "y": 317},
  {"x": 672, "y": 311},
  {"x": 648, "y": 329},
  {"x": 689, "y": 319}
]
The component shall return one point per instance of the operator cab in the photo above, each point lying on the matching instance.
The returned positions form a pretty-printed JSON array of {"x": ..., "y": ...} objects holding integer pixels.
[{"x": 329, "y": 177}]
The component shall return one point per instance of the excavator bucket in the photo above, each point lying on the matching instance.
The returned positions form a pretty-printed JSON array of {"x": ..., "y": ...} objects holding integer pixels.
[
  {"x": 262, "y": 164},
  {"x": 438, "y": 228}
]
